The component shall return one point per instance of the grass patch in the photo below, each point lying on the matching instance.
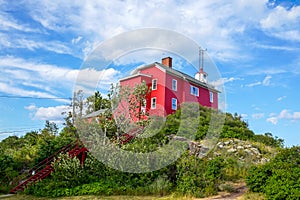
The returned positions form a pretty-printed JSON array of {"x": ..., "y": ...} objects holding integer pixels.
[
  {"x": 92, "y": 197},
  {"x": 252, "y": 196}
]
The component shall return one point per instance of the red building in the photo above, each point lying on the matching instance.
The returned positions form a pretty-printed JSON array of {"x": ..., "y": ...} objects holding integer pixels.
[{"x": 170, "y": 87}]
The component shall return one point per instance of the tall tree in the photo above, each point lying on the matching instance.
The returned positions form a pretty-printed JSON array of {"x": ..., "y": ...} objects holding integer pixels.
[
  {"x": 96, "y": 102},
  {"x": 77, "y": 105}
]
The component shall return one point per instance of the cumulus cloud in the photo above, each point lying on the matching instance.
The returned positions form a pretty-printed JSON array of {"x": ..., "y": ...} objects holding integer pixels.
[
  {"x": 284, "y": 114},
  {"x": 229, "y": 18},
  {"x": 35, "y": 79},
  {"x": 53, "y": 114},
  {"x": 283, "y": 23},
  {"x": 273, "y": 120}
]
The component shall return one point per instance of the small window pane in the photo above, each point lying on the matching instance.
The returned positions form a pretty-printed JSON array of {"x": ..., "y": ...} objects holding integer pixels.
[
  {"x": 154, "y": 84},
  {"x": 174, "y": 104},
  {"x": 211, "y": 97},
  {"x": 194, "y": 90},
  {"x": 174, "y": 85},
  {"x": 153, "y": 102}
]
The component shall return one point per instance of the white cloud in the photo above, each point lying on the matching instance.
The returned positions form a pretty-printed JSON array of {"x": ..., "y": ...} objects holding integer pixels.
[
  {"x": 9, "y": 23},
  {"x": 53, "y": 114},
  {"x": 254, "y": 84},
  {"x": 30, "y": 107},
  {"x": 284, "y": 114},
  {"x": 267, "y": 81},
  {"x": 281, "y": 98},
  {"x": 244, "y": 115},
  {"x": 32, "y": 45},
  {"x": 265, "y": 70},
  {"x": 275, "y": 47},
  {"x": 220, "y": 82},
  {"x": 92, "y": 79},
  {"x": 258, "y": 115},
  {"x": 283, "y": 23},
  {"x": 15, "y": 91},
  {"x": 273, "y": 120},
  {"x": 214, "y": 23},
  {"x": 76, "y": 40},
  {"x": 34, "y": 79}
]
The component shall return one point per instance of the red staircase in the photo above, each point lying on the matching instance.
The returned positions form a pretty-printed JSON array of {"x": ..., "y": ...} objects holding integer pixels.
[
  {"x": 131, "y": 135},
  {"x": 44, "y": 168}
]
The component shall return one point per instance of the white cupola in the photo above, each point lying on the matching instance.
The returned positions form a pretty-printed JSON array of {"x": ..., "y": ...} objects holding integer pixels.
[{"x": 201, "y": 76}]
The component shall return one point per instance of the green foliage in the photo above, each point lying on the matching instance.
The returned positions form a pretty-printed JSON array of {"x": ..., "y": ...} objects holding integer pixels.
[
  {"x": 278, "y": 179},
  {"x": 187, "y": 176},
  {"x": 68, "y": 171},
  {"x": 235, "y": 127},
  {"x": 93, "y": 178},
  {"x": 8, "y": 170},
  {"x": 96, "y": 102},
  {"x": 199, "y": 177},
  {"x": 269, "y": 140}
]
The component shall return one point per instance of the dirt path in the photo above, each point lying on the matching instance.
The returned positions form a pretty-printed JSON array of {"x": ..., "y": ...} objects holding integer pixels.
[{"x": 240, "y": 190}]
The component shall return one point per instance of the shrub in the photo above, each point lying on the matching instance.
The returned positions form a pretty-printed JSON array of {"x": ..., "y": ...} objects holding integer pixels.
[{"x": 278, "y": 179}]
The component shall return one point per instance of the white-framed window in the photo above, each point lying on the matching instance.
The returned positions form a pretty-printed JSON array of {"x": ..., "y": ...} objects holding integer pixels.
[
  {"x": 153, "y": 102},
  {"x": 194, "y": 90},
  {"x": 174, "y": 84},
  {"x": 174, "y": 104},
  {"x": 211, "y": 96},
  {"x": 154, "y": 84}
]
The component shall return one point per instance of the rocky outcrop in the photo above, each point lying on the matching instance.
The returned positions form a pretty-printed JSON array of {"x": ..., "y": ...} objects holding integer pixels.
[
  {"x": 239, "y": 149},
  {"x": 242, "y": 150},
  {"x": 195, "y": 148}
]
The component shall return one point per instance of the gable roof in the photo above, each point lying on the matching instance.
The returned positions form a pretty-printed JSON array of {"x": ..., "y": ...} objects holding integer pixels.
[
  {"x": 177, "y": 73},
  {"x": 95, "y": 113}
]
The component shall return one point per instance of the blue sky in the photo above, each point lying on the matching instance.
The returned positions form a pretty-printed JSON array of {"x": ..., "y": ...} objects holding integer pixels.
[{"x": 254, "y": 43}]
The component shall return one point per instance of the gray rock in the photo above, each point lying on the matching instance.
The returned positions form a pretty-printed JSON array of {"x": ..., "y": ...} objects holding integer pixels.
[{"x": 231, "y": 150}]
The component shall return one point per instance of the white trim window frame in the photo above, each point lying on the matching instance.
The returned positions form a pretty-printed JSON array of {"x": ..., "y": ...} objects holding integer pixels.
[
  {"x": 154, "y": 84},
  {"x": 194, "y": 90},
  {"x": 174, "y": 84},
  {"x": 153, "y": 103},
  {"x": 211, "y": 96},
  {"x": 174, "y": 104}
]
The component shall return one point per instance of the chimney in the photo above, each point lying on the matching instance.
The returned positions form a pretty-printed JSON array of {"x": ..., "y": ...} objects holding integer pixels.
[{"x": 167, "y": 61}]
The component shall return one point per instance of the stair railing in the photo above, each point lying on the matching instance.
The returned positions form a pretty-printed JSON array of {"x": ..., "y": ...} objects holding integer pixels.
[{"x": 38, "y": 167}]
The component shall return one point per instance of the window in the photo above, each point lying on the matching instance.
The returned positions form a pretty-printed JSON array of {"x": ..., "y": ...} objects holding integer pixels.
[
  {"x": 174, "y": 104},
  {"x": 143, "y": 106},
  {"x": 174, "y": 85},
  {"x": 154, "y": 84},
  {"x": 153, "y": 103},
  {"x": 211, "y": 97},
  {"x": 194, "y": 90}
]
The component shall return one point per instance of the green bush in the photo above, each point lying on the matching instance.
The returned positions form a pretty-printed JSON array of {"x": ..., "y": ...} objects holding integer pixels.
[
  {"x": 278, "y": 179},
  {"x": 199, "y": 177}
]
